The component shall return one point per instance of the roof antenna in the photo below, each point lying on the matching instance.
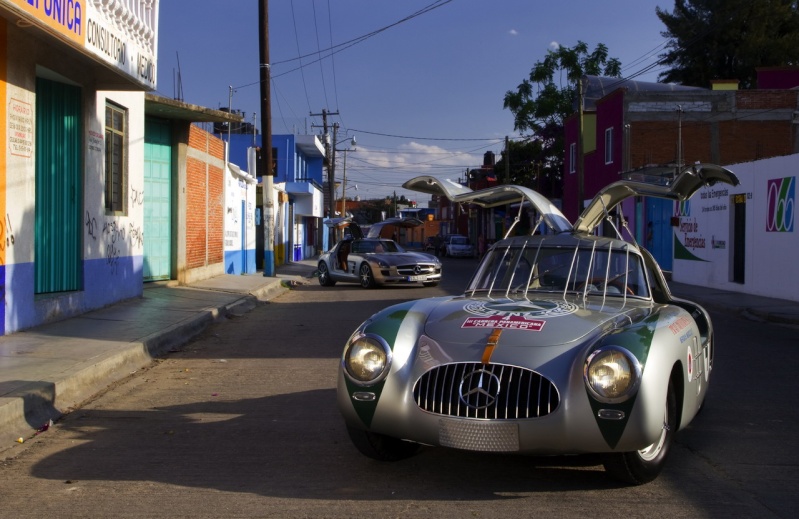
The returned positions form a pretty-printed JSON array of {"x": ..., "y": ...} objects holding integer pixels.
[{"x": 177, "y": 89}]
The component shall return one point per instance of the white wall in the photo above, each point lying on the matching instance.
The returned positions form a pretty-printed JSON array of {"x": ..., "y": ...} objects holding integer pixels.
[
  {"x": 112, "y": 244},
  {"x": 771, "y": 246}
]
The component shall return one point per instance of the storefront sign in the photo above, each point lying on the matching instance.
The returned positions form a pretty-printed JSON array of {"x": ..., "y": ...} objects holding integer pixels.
[
  {"x": 84, "y": 24},
  {"x": 66, "y": 17}
]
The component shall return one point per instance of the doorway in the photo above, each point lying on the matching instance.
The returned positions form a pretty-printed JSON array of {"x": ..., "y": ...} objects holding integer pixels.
[{"x": 738, "y": 204}]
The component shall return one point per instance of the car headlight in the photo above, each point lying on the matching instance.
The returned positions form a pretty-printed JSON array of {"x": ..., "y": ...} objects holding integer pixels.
[
  {"x": 383, "y": 264},
  {"x": 366, "y": 359},
  {"x": 612, "y": 374}
]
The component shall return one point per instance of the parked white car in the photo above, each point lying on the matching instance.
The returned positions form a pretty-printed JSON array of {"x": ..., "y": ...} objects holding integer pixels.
[{"x": 458, "y": 246}]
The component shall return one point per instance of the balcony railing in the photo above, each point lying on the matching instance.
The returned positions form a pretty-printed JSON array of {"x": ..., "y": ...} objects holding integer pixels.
[{"x": 136, "y": 19}]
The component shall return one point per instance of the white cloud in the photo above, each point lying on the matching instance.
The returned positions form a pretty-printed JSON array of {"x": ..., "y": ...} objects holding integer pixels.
[
  {"x": 380, "y": 173},
  {"x": 513, "y": 32},
  {"x": 553, "y": 46}
]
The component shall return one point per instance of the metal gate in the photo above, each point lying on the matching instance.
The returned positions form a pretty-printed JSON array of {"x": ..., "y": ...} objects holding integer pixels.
[
  {"x": 58, "y": 241},
  {"x": 157, "y": 199}
]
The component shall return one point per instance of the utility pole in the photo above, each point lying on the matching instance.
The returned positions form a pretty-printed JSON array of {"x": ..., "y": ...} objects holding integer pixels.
[
  {"x": 331, "y": 184},
  {"x": 580, "y": 157},
  {"x": 507, "y": 160},
  {"x": 332, "y": 172},
  {"x": 679, "y": 138},
  {"x": 266, "y": 142},
  {"x": 344, "y": 188}
]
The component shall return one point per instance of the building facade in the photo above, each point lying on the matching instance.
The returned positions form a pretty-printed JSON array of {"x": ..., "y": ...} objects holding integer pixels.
[
  {"x": 721, "y": 233},
  {"x": 629, "y": 125},
  {"x": 297, "y": 197},
  {"x": 103, "y": 186},
  {"x": 193, "y": 199},
  {"x": 72, "y": 82}
]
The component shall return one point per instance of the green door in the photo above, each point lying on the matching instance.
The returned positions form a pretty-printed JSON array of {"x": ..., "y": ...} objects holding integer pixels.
[
  {"x": 58, "y": 241},
  {"x": 157, "y": 199}
]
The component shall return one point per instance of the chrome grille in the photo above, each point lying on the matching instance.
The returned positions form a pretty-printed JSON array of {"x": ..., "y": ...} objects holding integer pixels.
[
  {"x": 487, "y": 391},
  {"x": 411, "y": 270}
]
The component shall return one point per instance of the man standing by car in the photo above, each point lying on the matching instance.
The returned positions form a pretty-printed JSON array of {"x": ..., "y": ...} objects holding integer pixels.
[{"x": 438, "y": 243}]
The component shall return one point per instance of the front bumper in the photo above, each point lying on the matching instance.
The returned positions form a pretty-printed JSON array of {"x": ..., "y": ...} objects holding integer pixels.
[
  {"x": 408, "y": 274},
  {"x": 461, "y": 253},
  {"x": 572, "y": 428}
]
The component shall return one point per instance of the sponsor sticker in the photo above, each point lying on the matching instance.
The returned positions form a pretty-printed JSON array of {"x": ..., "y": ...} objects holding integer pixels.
[
  {"x": 515, "y": 315},
  {"x": 505, "y": 323}
]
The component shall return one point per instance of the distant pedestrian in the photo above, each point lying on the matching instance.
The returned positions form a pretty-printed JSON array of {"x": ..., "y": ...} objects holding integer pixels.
[{"x": 437, "y": 243}]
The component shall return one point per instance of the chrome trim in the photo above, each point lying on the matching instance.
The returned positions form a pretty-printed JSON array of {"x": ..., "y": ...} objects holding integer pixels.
[{"x": 610, "y": 414}]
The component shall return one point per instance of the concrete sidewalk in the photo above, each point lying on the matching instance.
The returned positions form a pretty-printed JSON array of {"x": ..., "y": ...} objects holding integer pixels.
[{"x": 49, "y": 370}]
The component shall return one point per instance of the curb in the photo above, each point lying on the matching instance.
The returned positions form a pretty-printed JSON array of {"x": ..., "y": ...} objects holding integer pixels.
[{"x": 40, "y": 402}]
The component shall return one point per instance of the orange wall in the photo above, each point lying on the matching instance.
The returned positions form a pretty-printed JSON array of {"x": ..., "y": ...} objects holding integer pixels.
[{"x": 3, "y": 126}]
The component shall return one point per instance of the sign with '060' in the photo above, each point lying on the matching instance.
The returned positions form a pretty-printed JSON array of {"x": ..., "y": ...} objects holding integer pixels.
[{"x": 780, "y": 195}]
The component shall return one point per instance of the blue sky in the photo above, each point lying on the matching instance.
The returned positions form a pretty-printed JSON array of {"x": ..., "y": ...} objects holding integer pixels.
[{"x": 421, "y": 97}]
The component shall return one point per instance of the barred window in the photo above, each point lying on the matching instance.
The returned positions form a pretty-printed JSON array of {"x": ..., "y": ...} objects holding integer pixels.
[{"x": 116, "y": 149}]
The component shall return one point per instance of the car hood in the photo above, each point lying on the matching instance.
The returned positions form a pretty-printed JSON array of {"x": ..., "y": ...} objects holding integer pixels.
[{"x": 529, "y": 323}]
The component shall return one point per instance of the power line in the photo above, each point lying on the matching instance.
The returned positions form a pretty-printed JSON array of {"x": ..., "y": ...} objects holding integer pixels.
[
  {"x": 354, "y": 41},
  {"x": 423, "y": 138},
  {"x": 297, "y": 42}
]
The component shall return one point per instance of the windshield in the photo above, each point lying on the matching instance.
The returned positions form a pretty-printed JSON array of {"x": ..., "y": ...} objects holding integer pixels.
[
  {"x": 587, "y": 268},
  {"x": 376, "y": 246}
]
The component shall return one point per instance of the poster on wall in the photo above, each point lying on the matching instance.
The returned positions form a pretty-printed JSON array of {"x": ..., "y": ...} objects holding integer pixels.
[
  {"x": 780, "y": 203},
  {"x": 703, "y": 225}
]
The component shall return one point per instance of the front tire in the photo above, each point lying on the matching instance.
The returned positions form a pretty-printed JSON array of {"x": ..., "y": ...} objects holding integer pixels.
[
  {"x": 381, "y": 447},
  {"x": 366, "y": 276},
  {"x": 643, "y": 466},
  {"x": 324, "y": 275}
]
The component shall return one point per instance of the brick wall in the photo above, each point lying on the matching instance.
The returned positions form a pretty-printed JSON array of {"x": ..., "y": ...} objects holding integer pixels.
[
  {"x": 726, "y": 142},
  {"x": 204, "y": 199},
  {"x": 655, "y": 142}
]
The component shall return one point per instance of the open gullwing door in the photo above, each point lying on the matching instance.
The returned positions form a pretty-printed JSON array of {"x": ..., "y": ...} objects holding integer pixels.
[
  {"x": 687, "y": 181},
  {"x": 492, "y": 197}
]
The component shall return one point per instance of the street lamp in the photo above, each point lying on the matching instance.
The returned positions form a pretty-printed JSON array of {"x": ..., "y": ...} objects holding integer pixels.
[
  {"x": 344, "y": 183},
  {"x": 331, "y": 170}
]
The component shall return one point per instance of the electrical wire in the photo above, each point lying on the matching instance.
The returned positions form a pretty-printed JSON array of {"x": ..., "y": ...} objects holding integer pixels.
[{"x": 297, "y": 42}]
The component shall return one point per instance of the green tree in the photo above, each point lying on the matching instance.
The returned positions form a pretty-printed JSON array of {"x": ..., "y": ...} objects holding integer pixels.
[
  {"x": 541, "y": 103},
  {"x": 371, "y": 211},
  {"x": 526, "y": 167},
  {"x": 728, "y": 39}
]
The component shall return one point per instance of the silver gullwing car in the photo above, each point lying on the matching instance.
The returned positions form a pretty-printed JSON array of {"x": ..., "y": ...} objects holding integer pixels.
[
  {"x": 371, "y": 260},
  {"x": 564, "y": 342}
]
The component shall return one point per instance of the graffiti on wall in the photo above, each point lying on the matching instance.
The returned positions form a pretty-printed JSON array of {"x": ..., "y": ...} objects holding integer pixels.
[
  {"x": 6, "y": 235},
  {"x": 136, "y": 196},
  {"x": 113, "y": 236}
]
